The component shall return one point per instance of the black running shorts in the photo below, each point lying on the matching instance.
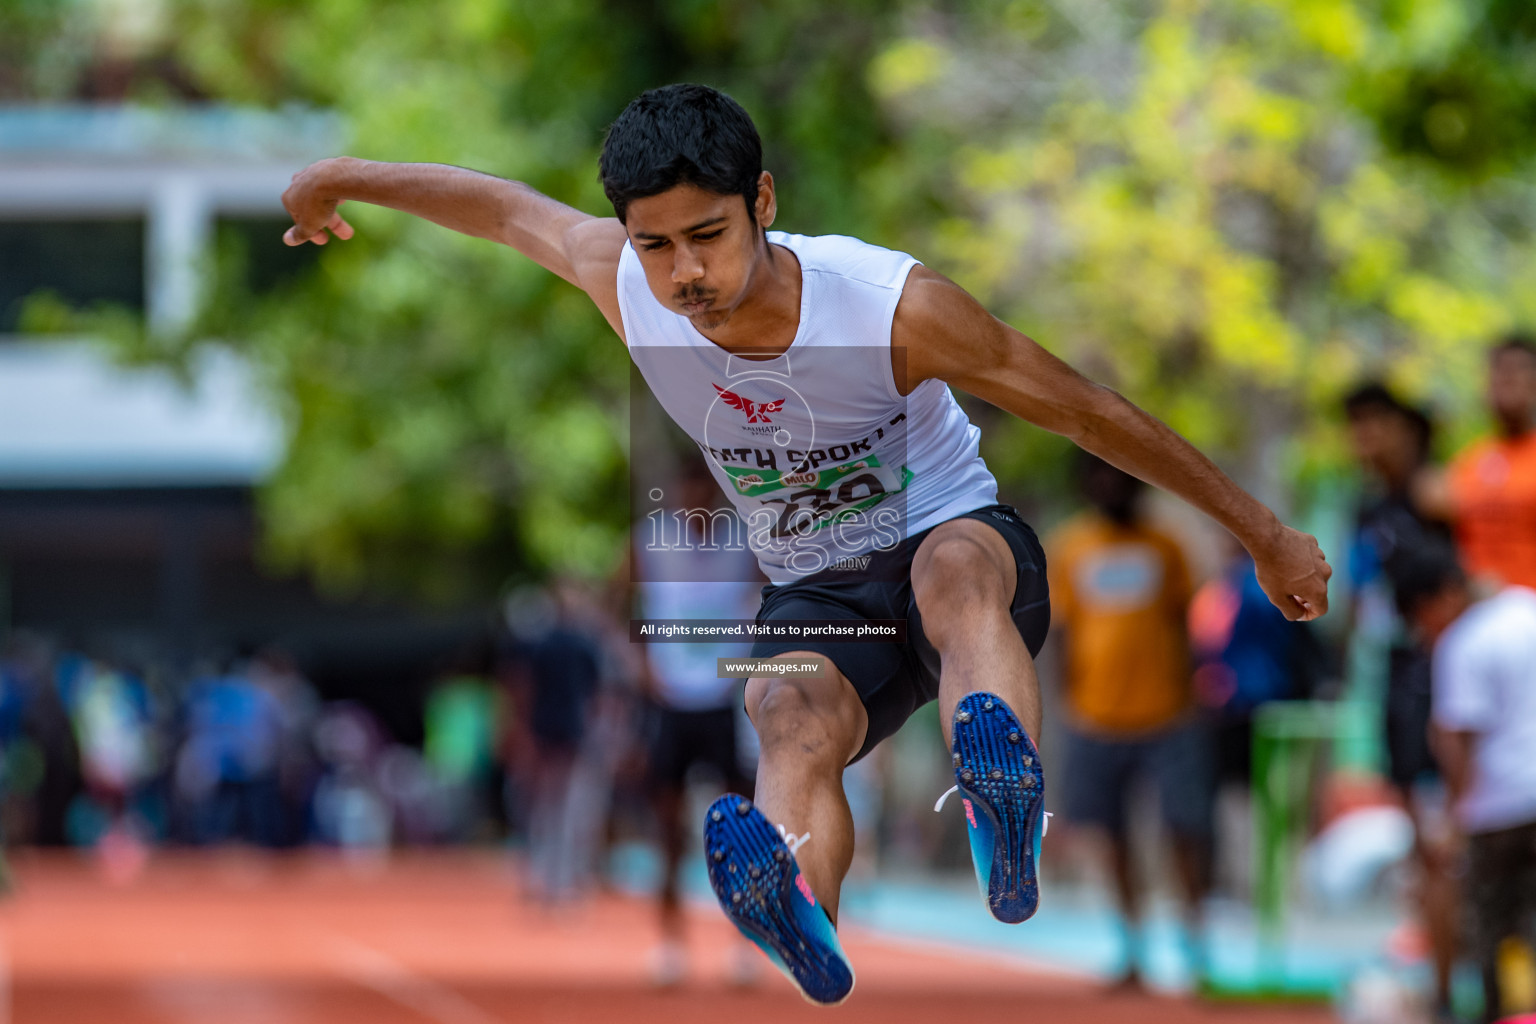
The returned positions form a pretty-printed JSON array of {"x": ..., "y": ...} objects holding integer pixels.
[{"x": 895, "y": 679}]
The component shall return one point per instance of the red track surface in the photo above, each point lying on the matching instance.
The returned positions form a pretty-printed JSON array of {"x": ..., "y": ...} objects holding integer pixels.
[{"x": 239, "y": 938}]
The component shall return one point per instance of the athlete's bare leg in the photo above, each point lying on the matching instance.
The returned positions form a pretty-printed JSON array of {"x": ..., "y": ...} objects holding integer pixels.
[
  {"x": 809, "y": 730},
  {"x": 963, "y": 577}
]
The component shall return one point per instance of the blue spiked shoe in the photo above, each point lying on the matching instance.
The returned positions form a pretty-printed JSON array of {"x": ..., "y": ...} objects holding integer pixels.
[
  {"x": 1002, "y": 786},
  {"x": 754, "y": 874}
]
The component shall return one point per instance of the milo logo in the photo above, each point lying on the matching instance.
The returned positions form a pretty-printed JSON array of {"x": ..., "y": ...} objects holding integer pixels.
[
  {"x": 798, "y": 479},
  {"x": 748, "y": 480}
]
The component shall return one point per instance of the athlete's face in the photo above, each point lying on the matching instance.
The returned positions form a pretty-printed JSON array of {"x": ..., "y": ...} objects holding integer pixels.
[{"x": 699, "y": 249}]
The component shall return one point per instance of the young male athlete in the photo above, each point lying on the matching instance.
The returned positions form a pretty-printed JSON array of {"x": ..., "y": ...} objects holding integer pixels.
[{"x": 815, "y": 373}]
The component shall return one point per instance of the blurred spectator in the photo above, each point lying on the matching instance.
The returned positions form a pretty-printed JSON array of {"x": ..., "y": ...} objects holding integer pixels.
[
  {"x": 114, "y": 731},
  {"x": 20, "y": 763},
  {"x": 42, "y": 760},
  {"x": 351, "y": 809},
  {"x": 1246, "y": 654},
  {"x": 610, "y": 745},
  {"x": 1492, "y": 485},
  {"x": 1392, "y": 441},
  {"x": 555, "y": 678},
  {"x": 227, "y": 771},
  {"x": 695, "y": 720},
  {"x": 274, "y": 672},
  {"x": 461, "y": 719},
  {"x": 1120, "y": 589},
  {"x": 414, "y": 803},
  {"x": 1485, "y": 733}
]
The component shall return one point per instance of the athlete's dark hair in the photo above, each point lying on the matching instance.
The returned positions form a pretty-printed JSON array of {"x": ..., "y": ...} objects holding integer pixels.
[
  {"x": 1517, "y": 341},
  {"x": 1425, "y": 573},
  {"x": 677, "y": 135}
]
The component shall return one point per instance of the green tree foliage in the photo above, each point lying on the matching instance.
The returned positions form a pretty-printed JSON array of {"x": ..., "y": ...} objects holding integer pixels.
[
  {"x": 1454, "y": 83},
  {"x": 1233, "y": 209}
]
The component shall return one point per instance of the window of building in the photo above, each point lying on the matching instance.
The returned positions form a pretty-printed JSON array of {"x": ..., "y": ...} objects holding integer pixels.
[{"x": 81, "y": 261}]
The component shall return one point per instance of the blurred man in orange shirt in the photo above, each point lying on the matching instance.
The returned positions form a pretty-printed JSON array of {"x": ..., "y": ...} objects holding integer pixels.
[
  {"x": 1492, "y": 484},
  {"x": 1120, "y": 590}
]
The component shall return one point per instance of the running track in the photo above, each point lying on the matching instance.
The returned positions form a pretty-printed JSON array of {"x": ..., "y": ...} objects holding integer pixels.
[{"x": 242, "y": 938}]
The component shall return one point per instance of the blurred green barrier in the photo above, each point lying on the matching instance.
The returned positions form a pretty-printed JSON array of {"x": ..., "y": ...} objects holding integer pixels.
[{"x": 1294, "y": 742}]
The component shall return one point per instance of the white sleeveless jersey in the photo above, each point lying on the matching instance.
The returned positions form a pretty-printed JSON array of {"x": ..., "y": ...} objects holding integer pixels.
[{"x": 823, "y": 459}]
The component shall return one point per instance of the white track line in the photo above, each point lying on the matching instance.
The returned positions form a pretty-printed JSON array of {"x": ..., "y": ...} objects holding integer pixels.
[{"x": 390, "y": 978}]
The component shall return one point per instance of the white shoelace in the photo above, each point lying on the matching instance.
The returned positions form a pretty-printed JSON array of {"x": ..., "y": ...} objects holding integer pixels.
[
  {"x": 791, "y": 840},
  {"x": 1044, "y": 828}
]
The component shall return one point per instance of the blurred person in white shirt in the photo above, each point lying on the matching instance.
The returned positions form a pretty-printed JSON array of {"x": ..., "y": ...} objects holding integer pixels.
[
  {"x": 1484, "y": 733},
  {"x": 691, "y": 562}
]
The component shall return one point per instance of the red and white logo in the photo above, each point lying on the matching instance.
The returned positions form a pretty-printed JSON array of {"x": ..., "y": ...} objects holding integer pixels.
[{"x": 756, "y": 412}]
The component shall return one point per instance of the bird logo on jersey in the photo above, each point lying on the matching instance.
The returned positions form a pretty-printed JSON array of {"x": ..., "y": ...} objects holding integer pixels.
[{"x": 756, "y": 412}]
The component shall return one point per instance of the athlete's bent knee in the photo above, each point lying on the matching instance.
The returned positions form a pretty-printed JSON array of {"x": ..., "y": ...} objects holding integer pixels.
[
  {"x": 799, "y": 718},
  {"x": 958, "y": 574}
]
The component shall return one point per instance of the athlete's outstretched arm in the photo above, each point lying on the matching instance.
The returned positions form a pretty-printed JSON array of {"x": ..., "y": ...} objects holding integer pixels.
[
  {"x": 579, "y": 247},
  {"x": 949, "y": 335}
]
